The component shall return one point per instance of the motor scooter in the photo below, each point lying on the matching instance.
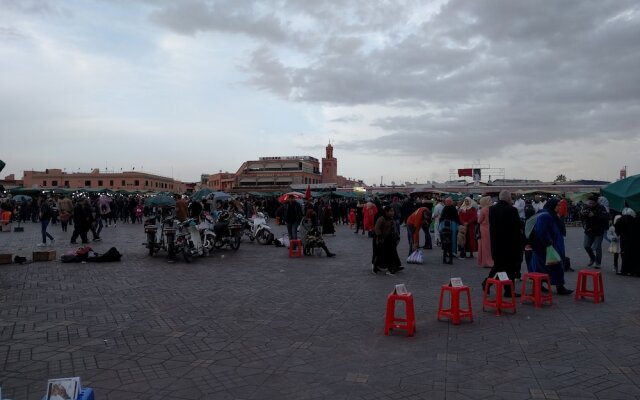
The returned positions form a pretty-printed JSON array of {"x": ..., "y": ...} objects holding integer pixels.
[
  {"x": 228, "y": 230},
  {"x": 257, "y": 228},
  {"x": 189, "y": 241}
]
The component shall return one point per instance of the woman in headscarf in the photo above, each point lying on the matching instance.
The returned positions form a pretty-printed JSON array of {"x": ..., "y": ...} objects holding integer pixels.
[
  {"x": 327, "y": 221},
  {"x": 484, "y": 242},
  {"x": 628, "y": 230},
  {"x": 548, "y": 231},
  {"x": 448, "y": 228},
  {"x": 468, "y": 214},
  {"x": 385, "y": 243}
]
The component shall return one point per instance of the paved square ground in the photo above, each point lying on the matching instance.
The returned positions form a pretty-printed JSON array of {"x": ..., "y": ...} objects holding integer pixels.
[{"x": 254, "y": 324}]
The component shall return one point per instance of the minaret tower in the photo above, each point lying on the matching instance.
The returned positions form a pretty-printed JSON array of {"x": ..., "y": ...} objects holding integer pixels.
[{"x": 329, "y": 166}]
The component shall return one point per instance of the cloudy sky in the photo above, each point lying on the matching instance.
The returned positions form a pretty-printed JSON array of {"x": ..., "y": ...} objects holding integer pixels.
[{"x": 406, "y": 90}]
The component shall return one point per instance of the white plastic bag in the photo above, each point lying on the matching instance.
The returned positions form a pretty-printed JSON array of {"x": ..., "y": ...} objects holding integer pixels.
[
  {"x": 285, "y": 241},
  {"x": 417, "y": 257}
]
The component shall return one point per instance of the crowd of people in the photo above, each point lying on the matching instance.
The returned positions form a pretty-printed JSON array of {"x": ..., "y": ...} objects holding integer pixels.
[
  {"x": 502, "y": 231},
  {"x": 83, "y": 213}
]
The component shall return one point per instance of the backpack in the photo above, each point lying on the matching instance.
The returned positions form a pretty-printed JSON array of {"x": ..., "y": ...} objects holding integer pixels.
[
  {"x": 82, "y": 254},
  {"x": 19, "y": 260},
  {"x": 111, "y": 255}
]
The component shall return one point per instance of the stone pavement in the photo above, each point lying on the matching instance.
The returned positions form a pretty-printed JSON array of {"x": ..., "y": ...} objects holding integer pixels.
[{"x": 254, "y": 324}]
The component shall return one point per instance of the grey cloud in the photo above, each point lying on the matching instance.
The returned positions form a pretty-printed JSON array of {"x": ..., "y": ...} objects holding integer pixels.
[
  {"x": 485, "y": 131},
  {"x": 487, "y": 73},
  {"x": 495, "y": 74},
  {"x": 11, "y": 33},
  {"x": 347, "y": 119},
  {"x": 190, "y": 17},
  {"x": 276, "y": 77},
  {"x": 469, "y": 48},
  {"x": 34, "y": 7}
]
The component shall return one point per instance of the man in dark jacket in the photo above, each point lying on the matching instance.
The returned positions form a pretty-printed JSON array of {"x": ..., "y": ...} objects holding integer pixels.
[
  {"x": 507, "y": 238},
  {"x": 595, "y": 220},
  {"x": 81, "y": 223},
  {"x": 292, "y": 216},
  {"x": 406, "y": 209}
]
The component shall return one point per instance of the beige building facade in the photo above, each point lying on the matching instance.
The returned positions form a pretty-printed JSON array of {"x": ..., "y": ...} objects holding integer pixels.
[
  {"x": 277, "y": 172},
  {"x": 222, "y": 181},
  {"x": 281, "y": 172},
  {"x": 128, "y": 180}
]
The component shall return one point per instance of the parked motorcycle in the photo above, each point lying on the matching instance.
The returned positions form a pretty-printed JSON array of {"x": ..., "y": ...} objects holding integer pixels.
[
  {"x": 160, "y": 234},
  {"x": 257, "y": 228},
  {"x": 207, "y": 234},
  {"x": 191, "y": 240},
  {"x": 228, "y": 230}
]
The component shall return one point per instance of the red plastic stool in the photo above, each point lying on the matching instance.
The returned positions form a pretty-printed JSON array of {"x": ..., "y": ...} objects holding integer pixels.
[
  {"x": 499, "y": 303},
  {"x": 391, "y": 322},
  {"x": 295, "y": 248},
  {"x": 598, "y": 288},
  {"x": 536, "y": 294},
  {"x": 454, "y": 312}
]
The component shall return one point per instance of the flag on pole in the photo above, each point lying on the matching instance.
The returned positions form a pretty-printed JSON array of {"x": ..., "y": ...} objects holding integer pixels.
[
  {"x": 2, "y": 164},
  {"x": 307, "y": 194}
]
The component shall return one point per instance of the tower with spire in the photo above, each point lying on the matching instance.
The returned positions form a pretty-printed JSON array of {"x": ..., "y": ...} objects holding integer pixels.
[{"x": 329, "y": 166}]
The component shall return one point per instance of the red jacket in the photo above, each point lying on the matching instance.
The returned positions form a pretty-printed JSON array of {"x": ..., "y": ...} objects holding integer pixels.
[
  {"x": 564, "y": 208},
  {"x": 416, "y": 219}
]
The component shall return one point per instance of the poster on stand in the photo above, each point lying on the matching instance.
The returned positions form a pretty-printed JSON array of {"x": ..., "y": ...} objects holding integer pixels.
[{"x": 63, "y": 389}]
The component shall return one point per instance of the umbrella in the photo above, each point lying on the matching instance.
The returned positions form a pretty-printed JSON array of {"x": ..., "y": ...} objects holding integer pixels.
[
  {"x": 62, "y": 191},
  {"x": 581, "y": 196},
  {"x": 201, "y": 194},
  {"x": 625, "y": 190},
  {"x": 219, "y": 196},
  {"x": 285, "y": 196},
  {"x": 388, "y": 195},
  {"x": 27, "y": 191},
  {"x": 160, "y": 200},
  {"x": 418, "y": 191},
  {"x": 21, "y": 197}
]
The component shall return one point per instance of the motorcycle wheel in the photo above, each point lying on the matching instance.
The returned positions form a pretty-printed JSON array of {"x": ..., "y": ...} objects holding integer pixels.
[
  {"x": 186, "y": 253},
  {"x": 171, "y": 250},
  {"x": 265, "y": 237},
  {"x": 235, "y": 244},
  {"x": 151, "y": 244},
  {"x": 209, "y": 242}
]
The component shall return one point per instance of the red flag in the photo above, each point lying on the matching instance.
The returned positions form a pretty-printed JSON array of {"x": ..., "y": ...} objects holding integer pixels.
[{"x": 307, "y": 194}]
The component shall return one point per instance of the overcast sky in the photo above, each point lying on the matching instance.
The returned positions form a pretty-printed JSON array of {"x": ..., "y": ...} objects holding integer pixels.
[{"x": 405, "y": 90}]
